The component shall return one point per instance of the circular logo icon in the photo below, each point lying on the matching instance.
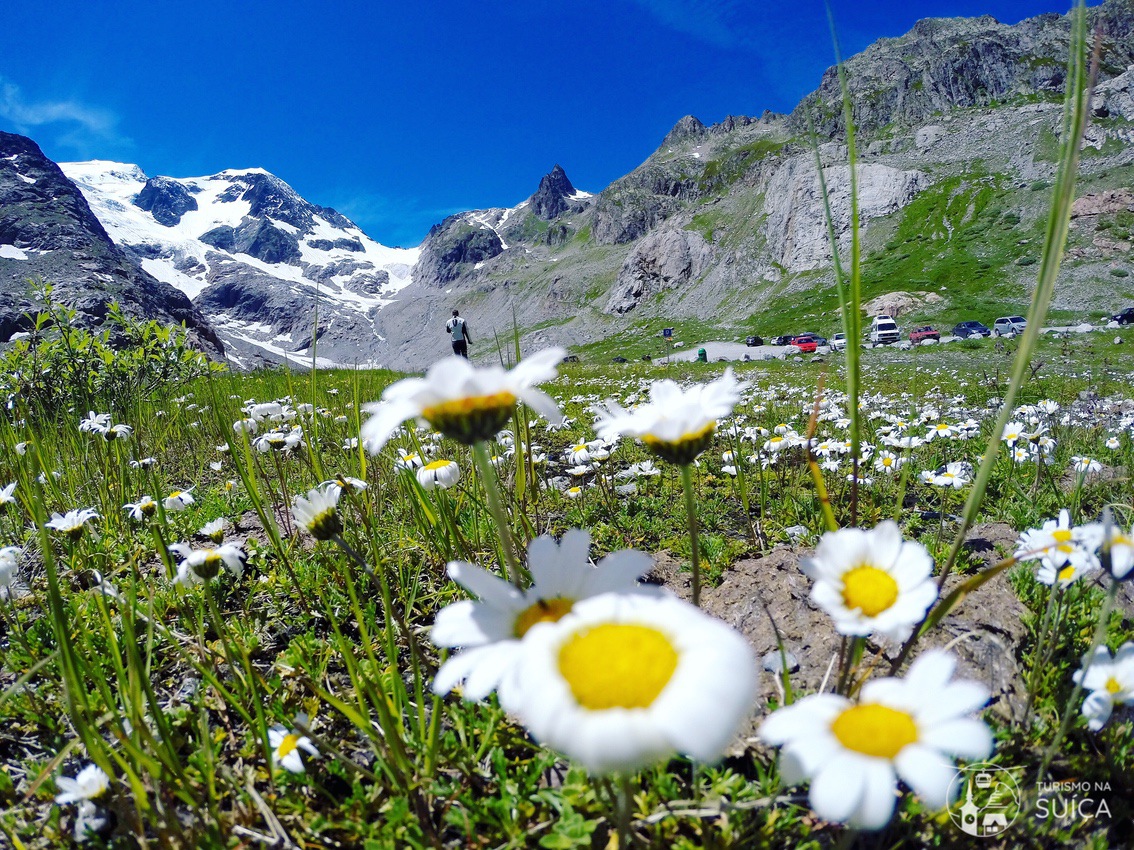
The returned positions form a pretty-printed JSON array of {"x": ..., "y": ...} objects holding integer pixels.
[{"x": 987, "y": 799}]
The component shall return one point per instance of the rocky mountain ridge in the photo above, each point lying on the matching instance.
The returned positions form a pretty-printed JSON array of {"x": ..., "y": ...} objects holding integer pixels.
[
  {"x": 274, "y": 273},
  {"x": 721, "y": 229},
  {"x": 49, "y": 233},
  {"x": 958, "y": 124}
]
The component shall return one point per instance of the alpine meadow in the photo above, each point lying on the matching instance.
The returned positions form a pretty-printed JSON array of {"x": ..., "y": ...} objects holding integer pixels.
[{"x": 785, "y": 500}]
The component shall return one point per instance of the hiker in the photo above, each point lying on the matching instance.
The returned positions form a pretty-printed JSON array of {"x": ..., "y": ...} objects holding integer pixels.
[{"x": 460, "y": 331}]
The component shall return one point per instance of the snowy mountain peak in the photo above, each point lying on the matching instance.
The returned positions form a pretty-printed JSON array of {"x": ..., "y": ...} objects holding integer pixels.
[{"x": 253, "y": 255}]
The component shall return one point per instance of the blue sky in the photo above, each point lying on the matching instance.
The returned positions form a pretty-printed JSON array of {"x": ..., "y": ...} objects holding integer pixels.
[{"x": 398, "y": 114}]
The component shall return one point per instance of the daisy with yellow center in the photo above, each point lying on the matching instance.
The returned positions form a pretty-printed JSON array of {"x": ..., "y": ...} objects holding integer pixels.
[
  {"x": 1110, "y": 682},
  {"x": 625, "y": 681},
  {"x": 1119, "y": 548},
  {"x": 676, "y": 424},
  {"x": 1064, "y": 551},
  {"x": 439, "y": 473},
  {"x": 490, "y": 631},
  {"x": 872, "y": 582},
  {"x": 464, "y": 402},
  {"x": 201, "y": 565},
  {"x": 286, "y": 746},
  {"x": 318, "y": 511},
  {"x": 854, "y": 753}
]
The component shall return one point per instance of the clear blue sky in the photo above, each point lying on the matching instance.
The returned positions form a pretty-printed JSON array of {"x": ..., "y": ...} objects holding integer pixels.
[{"x": 398, "y": 114}]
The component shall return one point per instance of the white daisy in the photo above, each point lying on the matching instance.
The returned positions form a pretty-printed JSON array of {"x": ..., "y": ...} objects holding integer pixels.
[
  {"x": 215, "y": 530},
  {"x": 853, "y": 753},
  {"x": 141, "y": 509},
  {"x": 1085, "y": 465},
  {"x": 73, "y": 522},
  {"x": 955, "y": 475},
  {"x": 872, "y": 582},
  {"x": 199, "y": 565},
  {"x": 626, "y": 680},
  {"x": 489, "y": 631},
  {"x": 318, "y": 511},
  {"x": 178, "y": 500},
  {"x": 95, "y": 423},
  {"x": 888, "y": 462},
  {"x": 6, "y": 497},
  {"x": 286, "y": 746},
  {"x": 91, "y": 782},
  {"x": 1065, "y": 551},
  {"x": 439, "y": 473},
  {"x": 9, "y": 564},
  {"x": 464, "y": 402},
  {"x": 1110, "y": 682},
  {"x": 676, "y": 424}
]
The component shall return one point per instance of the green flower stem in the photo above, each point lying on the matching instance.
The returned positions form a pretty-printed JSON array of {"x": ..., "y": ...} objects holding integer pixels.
[
  {"x": 625, "y": 803},
  {"x": 1073, "y": 700},
  {"x": 1046, "y": 631},
  {"x": 691, "y": 516},
  {"x": 510, "y": 565}
]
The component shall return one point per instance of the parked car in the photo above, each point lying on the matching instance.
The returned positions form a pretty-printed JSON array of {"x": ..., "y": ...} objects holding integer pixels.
[
  {"x": 819, "y": 340},
  {"x": 1009, "y": 326},
  {"x": 753, "y": 341},
  {"x": 964, "y": 330},
  {"x": 805, "y": 343},
  {"x": 1126, "y": 317},
  {"x": 923, "y": 333},
  {"x": 884, "y": 330},
  {"x": 839, "y": 342},
  {"x": 783, "y": 339}
]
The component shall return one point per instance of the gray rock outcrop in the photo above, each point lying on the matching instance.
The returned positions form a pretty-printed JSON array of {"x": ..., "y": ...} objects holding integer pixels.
[
  {"x": 166, "y": 200},
  {"x": 795, "y": 224},
  {"x": 663, "y": 260}
]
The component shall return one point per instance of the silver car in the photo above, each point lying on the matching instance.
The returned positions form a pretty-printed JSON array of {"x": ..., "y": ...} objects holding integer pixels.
[{"x": 1009, "y": 326}]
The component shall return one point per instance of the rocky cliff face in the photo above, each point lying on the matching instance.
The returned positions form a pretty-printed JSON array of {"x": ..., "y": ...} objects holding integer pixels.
[
  {"x": 277, "y": 275},
  {"x": 958, "y": 124},
  {"x": 944, "y": 64},
  {"x": 48, "y": 233}
]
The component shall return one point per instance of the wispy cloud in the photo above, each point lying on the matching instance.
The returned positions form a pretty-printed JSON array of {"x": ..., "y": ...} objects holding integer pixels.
[
  {"x": 88, "y": 130},
  {"x": 712, "y": 21}
]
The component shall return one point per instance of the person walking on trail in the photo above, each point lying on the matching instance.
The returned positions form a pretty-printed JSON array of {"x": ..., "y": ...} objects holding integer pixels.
[{"x": 460, "y": 331}]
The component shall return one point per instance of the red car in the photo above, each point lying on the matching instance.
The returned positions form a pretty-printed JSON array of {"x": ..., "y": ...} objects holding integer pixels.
[
  {"x": 923, "y": 333},
  {"x": 806, "y": 344}
]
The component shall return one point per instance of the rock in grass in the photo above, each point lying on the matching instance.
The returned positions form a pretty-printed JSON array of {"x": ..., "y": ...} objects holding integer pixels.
[{"x": 774, "y": 662}]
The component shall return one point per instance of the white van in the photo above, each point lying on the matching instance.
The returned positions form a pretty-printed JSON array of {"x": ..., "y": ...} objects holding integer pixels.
[{"x": 884, "y": 330}]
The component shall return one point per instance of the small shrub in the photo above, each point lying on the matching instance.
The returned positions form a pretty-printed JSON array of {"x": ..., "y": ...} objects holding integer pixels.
[{"x": 61, "y": 365}]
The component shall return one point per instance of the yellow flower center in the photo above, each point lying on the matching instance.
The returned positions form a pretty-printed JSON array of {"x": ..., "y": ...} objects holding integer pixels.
[
  {"x": 875, "y": 730},
  {"x": 288, "y": 745},
  {"x": 1067, "y": 573},
  {"x": 684, "y": 449},
  {"x": 887, "y": 461},
  {"x": 472, "y": 418},
  {"x": 438, "y": 464},
  {"x": 543, "y": 611},
  {"x": 869, "y": 589},
  {"x": 176, "y": 494},
  {"x": 617, "y": 665},
  {"x": 1113, "y": 686},
  {"x": 1061, "y": 535}
]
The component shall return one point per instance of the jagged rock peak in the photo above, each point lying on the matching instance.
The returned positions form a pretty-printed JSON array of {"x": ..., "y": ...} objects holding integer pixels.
[
  {"x": 166, "y": 200},
  {"x": 687, "y": 127},
  {"x": 550, "y": 199}
]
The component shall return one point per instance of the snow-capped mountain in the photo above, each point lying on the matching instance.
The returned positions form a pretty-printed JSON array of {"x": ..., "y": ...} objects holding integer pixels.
[{"x": 270, "y": 270}]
